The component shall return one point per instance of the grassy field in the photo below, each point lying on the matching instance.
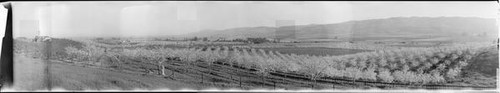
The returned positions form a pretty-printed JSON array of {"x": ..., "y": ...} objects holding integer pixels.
[{"x": 31, "y": 74}]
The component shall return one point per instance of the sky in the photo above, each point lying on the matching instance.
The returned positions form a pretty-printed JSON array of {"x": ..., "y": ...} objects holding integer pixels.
[{"x": 159, "y": 18}]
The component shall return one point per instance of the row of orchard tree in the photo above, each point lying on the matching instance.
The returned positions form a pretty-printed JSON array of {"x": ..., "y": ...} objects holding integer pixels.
[{"x": 407, "y": 65}]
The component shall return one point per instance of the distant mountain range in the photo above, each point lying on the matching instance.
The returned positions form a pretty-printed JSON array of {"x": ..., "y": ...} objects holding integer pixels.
[{"x": 397, "y": 28}]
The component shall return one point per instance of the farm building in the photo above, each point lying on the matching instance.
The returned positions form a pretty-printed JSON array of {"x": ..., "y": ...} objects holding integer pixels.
[{"x": 41, "y": 38}]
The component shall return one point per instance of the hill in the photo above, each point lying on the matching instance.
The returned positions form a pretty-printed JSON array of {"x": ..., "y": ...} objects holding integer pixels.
[
  {"x": 399, "y": 28},
  {"x": 56, "y": 46}
]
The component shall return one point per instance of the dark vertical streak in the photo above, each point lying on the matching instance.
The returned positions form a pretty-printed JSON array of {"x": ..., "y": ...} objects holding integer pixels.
[
  {"x": 47, "y": 51},
  {"x": 7, "y": 51}
]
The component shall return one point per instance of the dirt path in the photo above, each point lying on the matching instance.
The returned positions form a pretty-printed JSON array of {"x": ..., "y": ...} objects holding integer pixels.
[{"x": 30, "y": 75}]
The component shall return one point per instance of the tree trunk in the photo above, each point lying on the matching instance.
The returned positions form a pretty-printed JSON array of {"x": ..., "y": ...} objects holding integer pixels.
[
  {"x": 315, "y": 83},
  {"x": 160, "y": 69},
  {"x": 283, "y": 79},
  {"x": 274, "y": 85},
  {"x": 213, "y": 82},
  {"x": 333, "y": 86},
  {"x": 312, "y": 86},
  {"x": 262, "y": 78},
  {"x": 186, "y": 68},
  {"x": 172, "y": 74},
  {"x": 240, "y": 83}
]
